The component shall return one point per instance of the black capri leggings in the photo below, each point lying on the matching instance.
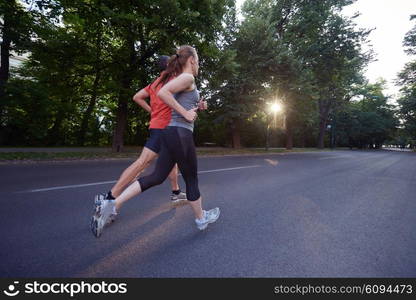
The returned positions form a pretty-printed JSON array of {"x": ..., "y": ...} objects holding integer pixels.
[{"x": 177, "y": 147}]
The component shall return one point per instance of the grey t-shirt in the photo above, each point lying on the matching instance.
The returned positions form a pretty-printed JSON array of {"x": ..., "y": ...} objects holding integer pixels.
[{"x": 189, "y": 100}]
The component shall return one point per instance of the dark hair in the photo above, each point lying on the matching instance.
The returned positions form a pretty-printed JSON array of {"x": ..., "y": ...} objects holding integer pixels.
[
  {"x": 163, "y": 62},
  {"x": 176, "y": 63}
]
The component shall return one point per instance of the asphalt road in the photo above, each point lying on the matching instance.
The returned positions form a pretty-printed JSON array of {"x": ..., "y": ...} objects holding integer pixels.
[{"x": 323, "y": 214}]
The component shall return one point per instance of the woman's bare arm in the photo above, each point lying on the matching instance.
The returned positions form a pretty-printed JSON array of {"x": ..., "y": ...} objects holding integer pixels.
[{"x": 181, "y": 83}]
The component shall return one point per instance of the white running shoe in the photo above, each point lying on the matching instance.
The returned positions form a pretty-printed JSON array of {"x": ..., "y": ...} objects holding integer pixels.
[
  {"x": 104, "y": 209},
  {"x": 112, "y": 217},
  {"x": 178, "y": 200},
  {"x": 210, "y": 216},
  {"x": 97, "y": 200}
]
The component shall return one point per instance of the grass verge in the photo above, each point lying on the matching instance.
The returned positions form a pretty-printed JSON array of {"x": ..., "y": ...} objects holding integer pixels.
[{"x": 59, "y": 156}]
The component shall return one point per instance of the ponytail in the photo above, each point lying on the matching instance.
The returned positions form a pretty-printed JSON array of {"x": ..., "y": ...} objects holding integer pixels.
[{"x": 176, "y": 64}]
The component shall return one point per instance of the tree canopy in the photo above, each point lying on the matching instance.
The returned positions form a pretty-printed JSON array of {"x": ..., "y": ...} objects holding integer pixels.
[{"x": 87, "y": 58}]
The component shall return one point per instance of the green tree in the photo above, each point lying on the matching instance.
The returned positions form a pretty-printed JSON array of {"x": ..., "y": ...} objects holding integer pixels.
[
  {"x": 338, "y": 65},
  {"x": 91, "y": 56},
  {"x": 368, "y": 122},
  {"x": 145, "y": 28},
  {"x": 407, "y": 101},
  {"x": 15, "y": 28},
  {"x": 298, "y": 51}
]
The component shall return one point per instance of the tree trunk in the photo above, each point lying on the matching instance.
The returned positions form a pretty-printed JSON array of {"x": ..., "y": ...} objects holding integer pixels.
[
  {"x": 289, "y": 133},
  {"x": 87, "y": 114},
  {"x": 121, "y": 115},
  {"x": 302, "y": 142},
  {"x": 54, "y": 134},
  {"x": 94, "y": 93},
  {"x": 235, "y": 132},
  {"x": 323, "y": 117},
  {"x": 267, "y": 136},
  {"x": 4, "y": 61},
  {"x": 126, "y": 80},
  {"x": 121, "y": 122},
  {"x": 322, "y": 127}
]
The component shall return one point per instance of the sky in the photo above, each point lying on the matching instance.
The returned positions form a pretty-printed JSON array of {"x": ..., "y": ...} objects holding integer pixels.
[{"x": 391, "y": 21}]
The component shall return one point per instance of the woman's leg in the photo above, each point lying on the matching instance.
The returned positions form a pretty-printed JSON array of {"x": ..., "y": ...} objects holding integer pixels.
[
  {"x": 181, "y": 143},
  {"x": 187, "y": 163},
  {"x": 197, "y": 208},
  {"x": 185, "y": 155}
]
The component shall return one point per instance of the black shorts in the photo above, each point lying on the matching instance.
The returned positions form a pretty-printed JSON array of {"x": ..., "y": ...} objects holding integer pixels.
[{"x": 154, "y": 141}]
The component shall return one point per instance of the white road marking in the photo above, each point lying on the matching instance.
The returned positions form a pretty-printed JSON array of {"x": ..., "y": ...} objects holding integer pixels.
[
  {"x": 69, "y": 186},
  {"x": 271, "y": 161},
  {"x": 113, "y": 181},
  {"x": 228, "y": 169},
  {"x": 333, "y": 157}
]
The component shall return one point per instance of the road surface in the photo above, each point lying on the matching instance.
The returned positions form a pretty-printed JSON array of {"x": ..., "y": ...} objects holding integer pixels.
[{"x": 317, "y": 214}]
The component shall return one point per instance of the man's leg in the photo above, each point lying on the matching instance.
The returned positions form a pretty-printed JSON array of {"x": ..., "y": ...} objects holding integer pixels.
[
  {"x": 177, "y": 197},
  {"x": 133, "y": 171},
  {"x": 107, "y": 208},
  {"x": 162, "y": 169},
  {"x": 173, "y": 177}
]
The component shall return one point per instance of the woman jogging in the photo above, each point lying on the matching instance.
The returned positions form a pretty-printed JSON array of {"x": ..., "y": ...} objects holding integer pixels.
[
  {"x": 160, "y": 117},
  {"x": 178, "y": 145}
]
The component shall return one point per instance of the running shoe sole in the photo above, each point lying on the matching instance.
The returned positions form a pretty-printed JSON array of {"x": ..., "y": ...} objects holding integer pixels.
[
  {"x": 95, "y": 217},
  {"x": 94, "y": 227},
  {"x": 179, "y": 202}
]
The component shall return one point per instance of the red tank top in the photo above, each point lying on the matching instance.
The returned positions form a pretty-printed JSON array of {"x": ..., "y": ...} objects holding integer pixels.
[{"x": 161, "y": 113}]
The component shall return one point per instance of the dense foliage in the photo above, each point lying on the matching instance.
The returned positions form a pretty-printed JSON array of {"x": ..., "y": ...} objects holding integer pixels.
[{"x": 86, "y": 59}]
